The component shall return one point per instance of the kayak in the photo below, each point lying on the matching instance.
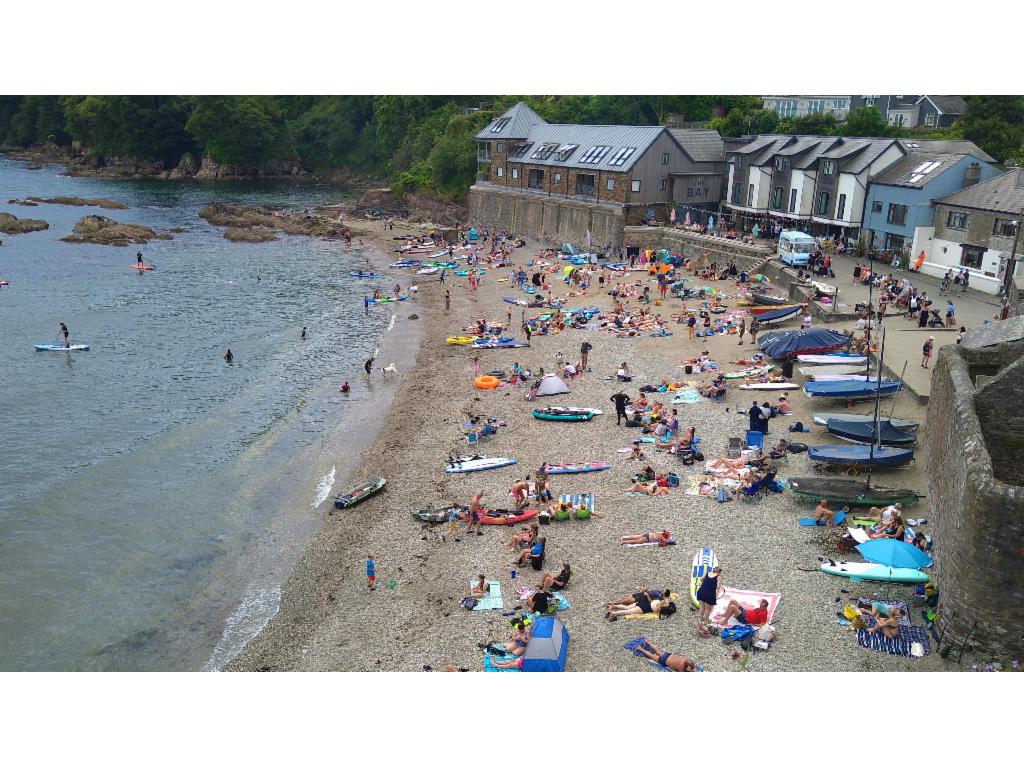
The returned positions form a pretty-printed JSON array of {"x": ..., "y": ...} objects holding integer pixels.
[
  {"x": 388, "y": 300},
  {"x": 852, "y": 492},
  {"x": 502, "y": 516},
  {"x": 364, "y": 274},
  {"x": 874, "y": 572},
  {"x": 431, "y": 515},
  {"x": 510, "y": 344},
  {"x": 771, "y": 385},
  {"x": 755, "y": 371},
  {"x": 360, "y": 493},
  {"x": 571, "y": 469},
  {"x": 62, "y": 348},
  {"x": 563, "y": 414},
  {"x": 476, "y": 463},
  {"x": 142, "y": 267}
]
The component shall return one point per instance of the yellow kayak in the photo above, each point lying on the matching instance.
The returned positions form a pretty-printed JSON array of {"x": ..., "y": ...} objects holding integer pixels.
[{"x": 461, "y": 340}]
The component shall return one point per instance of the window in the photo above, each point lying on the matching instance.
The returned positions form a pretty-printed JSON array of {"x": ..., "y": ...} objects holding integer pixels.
[
  {"x": 787, "y": 108},
  {"x": 565, "y": 151},
  {"x": 500, "y": 123},
  {"x": 499, "y": 147},
  {"x": 792, "y": 200},
  {"x": 664, "y": 158},
  {"x": 828, "y": 167},
  {"x": 897, "y": 214},
  {"x": 893, "y": 242},
  {"x": 869, "y": 101},
  {"x": 778, "y": 195},
  {"x": 824, "y": 198},
  {"x": 558, "y": 178},
  {"x": 544, "y": 151},
  {"x": 501, "y": 171},
  {"x": 483, "y": 152},
  {"x": 971, "y": 255},
  {"x": 635, "y": 186},
  {"x": 664, "y": 184},
  {"x": 1004, "y": 228},
  {"x": 750, "y": 196},
  {"x": 519, "y": 150},
  {"x": 929, "y": 120},
  {"x": 594, "y": 155},
  {"x": 536, "y": 179},
  {"x": 622, "y": 155},
  {"x": 839, "y": 103},
  {"x": 610, "y": 184},
  {"x": 780, "y": 163},
  {"x": 876, "y": 206},
  {"x": 584, "y": 185},
  {"x": 515, "y": 173},
  {"x": 737, "y": 192},
  {"x": 816, "y": 105},
  {"x": 956, "y": 220},
  {"x": 841, "y": 207}
]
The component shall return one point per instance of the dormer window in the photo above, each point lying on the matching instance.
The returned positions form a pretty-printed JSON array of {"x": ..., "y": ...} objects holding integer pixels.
[
  {"x": 780, "y": 163},
  {"x": 828, "y": 167}
]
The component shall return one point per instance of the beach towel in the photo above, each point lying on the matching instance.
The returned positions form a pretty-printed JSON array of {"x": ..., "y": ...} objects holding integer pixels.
[
  {"x": 634, "y": 644},
  {"x": 488, "y": 667},
  {"x": 747, "y": 598},
  {"x": 837, "y": 519},
  {"x": 897, "y": 646},
  {"x": 701, "y": 485},
  {"x": 492, "y": 600},
  {"x": 647, "y": 616},
  {"x": 686, "y": 397},
  {"x": 649, "y": 543},
  {"x": 863, "y": 602}
]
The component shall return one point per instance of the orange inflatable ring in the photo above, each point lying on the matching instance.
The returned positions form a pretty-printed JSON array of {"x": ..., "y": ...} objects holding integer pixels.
[{"x": 485, "y": 382}]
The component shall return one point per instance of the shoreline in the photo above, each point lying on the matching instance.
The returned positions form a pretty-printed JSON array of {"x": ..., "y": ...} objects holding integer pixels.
[{"x": 328, "y": 620}]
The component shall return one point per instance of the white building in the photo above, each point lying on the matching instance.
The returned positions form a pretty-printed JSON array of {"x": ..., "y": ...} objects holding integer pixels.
[{"x": 798, "y": 106}]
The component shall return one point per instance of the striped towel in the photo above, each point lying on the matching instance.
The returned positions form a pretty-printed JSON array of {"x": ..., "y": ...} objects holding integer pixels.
[
  {"x": 577, "y": 500},
  {"x": 897, "y": 646}
]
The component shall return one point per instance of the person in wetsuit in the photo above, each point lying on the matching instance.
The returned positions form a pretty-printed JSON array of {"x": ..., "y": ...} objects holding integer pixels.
[
  {"x": 228, "y": 357},
  {"x": 64, "y": 333},
  {"x": 138, "y": 259},
  {"x": 368, "y": 366}
]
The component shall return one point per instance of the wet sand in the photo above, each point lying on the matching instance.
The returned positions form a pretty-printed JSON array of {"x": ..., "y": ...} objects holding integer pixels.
[{"x": 329, "y": 620}]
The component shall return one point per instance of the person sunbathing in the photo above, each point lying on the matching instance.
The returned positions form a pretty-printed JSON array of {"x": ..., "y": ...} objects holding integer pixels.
[
  {"x": 480, "y": 589},
  {"x": 783, "y": 406},
  {"x": 644, "y": 594},
  {"x": 661, "y": 539},
  {"x": 524, "y": 539},
  {"x": 557, "y": 581},
  {"x": 879, "y": 610},
  {"x": 660, "y": 608},
  {"x": 888, "y": 625},
  {"x": 516, "y": 647},
  {"x": 744, "y": 614},
  {"x": 651, "y": 489},
  {"x": 673, "y": 662}
]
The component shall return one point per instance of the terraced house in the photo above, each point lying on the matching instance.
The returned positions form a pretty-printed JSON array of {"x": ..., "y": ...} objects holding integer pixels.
[{"x": 573, "y": 181}]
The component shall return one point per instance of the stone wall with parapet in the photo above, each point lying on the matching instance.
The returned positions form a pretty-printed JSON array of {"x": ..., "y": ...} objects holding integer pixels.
[
  {"x": 550, "y": 220},
  {"x": 978, "y": 523}
]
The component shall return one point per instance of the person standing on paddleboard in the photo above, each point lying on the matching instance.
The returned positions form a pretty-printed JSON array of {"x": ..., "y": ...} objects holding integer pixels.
[
  {"x": 228, "y": 357},
  {"x": 64, "y": 332},
  {"x": 138, "y": 259}
]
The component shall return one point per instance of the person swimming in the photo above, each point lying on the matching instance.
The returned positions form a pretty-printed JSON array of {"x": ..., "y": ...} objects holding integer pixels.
[
  {"x": 345, "y": 388},
  {"x": 228, "y": 357}
]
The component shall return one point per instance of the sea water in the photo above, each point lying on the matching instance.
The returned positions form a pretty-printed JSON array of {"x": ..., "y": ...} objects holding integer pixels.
[{"x": 153, "y": 498}]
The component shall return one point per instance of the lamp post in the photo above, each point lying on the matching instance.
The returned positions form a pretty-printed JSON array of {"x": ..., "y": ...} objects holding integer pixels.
[{"x": 1011, "y": 263}]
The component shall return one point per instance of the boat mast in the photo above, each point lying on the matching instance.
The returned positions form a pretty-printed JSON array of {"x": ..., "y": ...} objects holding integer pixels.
[{"x": 877, "y": 438}]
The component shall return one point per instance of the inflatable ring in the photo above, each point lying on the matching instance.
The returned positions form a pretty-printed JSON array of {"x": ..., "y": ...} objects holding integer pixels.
[{"x": 486, "y": 382}]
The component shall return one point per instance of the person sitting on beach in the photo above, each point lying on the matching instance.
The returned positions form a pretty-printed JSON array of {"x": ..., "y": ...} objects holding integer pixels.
[
  {"x": 783, "y": 408},
  {"x": 745, "y": 614},
  {"x": 534, "y": 553},
  {"x": 822, "y": 512},
  {"x": 644, "y": 594},
  {"x": 541, "y": 602},
  {"x": 879, "y": 610},
  {"x": 557, "y": 581},
  {"x": 636, "y": 454},
  {"x": 893, "y": 529},
  {"x": 651, "y": 489},
  {"x": 524, "y": 539},
  {"x": 889, "y": 625},
  {"x": 661, "y": 608},
  {"x": 673, "y": 662},
  {"x": 662, "y": 539},
  {"x": 623, "y": 373},
  {"x": 516, "y": 646},
  {"x": 480, "y": 589},
  {"x": 780, "y": 449}
]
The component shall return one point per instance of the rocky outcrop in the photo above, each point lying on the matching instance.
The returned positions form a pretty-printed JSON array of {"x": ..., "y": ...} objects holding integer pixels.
[
  {"x": 12, "y": 225},
  {"x": 423, "y": 208},
  {"x": 99, "y": 202},
  {"x": 255, "y": 217},
  {"x": 254, "y": 235},
  {"x": 186, "y": 168},
  {"x": 272, "y": 169},
  {"x": 100, "y": 230},
  {"x": 98, "y": 166}
]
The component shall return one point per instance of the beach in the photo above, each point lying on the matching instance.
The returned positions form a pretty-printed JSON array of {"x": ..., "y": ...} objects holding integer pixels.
[{"x": 329, "y": 620}]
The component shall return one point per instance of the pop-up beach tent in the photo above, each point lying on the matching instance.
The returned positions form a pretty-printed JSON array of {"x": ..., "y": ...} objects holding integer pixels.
[
  {"x": 472, "y": 235},
  {"x": 552, "y": 385},
  {"x": 548, "y": 646}
]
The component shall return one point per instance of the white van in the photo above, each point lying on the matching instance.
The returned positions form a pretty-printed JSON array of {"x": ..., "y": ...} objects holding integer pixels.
[{"x": 795, "y": 248}]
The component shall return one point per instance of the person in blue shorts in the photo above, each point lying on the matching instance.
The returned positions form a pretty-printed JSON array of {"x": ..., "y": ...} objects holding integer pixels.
[{"x": 371, "y": 572}]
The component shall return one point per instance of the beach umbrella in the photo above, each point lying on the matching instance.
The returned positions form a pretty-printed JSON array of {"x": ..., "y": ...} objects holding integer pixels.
[
  {"x": 760, "y": 278},
  {"x": 893, "y": 553}
]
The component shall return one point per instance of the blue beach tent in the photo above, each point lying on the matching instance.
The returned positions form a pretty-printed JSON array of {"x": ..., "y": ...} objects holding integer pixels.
[
  {"x": 472, "y": 235},
  {"x": 548, "y": 646}
]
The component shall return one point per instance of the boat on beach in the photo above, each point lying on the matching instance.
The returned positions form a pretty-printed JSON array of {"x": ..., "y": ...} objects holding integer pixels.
[
  {"x": 851, "y": 492},
  {"x": 822, "y": 419}
]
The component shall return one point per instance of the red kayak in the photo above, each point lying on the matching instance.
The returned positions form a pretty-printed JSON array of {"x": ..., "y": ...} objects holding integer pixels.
[
  {"x": 503, "y": 516},
  {"x": 760, "y": 309}
]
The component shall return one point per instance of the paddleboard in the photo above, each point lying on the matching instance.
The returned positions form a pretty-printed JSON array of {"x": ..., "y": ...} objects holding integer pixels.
[
  {"x": 570, "y": 469},
  {"x": 755, "y": 371},
  {"x": 814, "y": 371},
  {"x": 364, "y": 274},
  {"x": 477, "y": 463},
  {"x": 873, "y": 572},
  {"x": 771, "y": 385},
  {"x": 142, "y": 267},
  {"x": 703, "y": 562},
  {"x": 62, "y": 348}
]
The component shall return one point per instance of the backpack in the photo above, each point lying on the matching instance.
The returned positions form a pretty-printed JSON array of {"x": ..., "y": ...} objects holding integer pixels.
[
  {"x": 796, "y": 447},
  {"x": 698, "y": 456},
  {"x": 740, "y": 631},
  {"x": 469, "y": 603},
  {"x": 797, "y": 427},
  {"x": 672, "y": 479}
]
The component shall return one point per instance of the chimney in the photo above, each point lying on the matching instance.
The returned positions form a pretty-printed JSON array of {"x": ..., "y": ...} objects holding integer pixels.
[{"x": 972, "y": 174}]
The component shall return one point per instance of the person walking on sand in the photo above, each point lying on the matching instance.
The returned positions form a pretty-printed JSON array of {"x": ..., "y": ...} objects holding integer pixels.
[
  {"x": 585, "y": 348},
  {"x": 926, "y": 351},
  {"x": 621, "y": 400},
  {"x": 474, "y": 514},
  {"x": 476, "y": 366},
  {"x": 743, "y": 329},
  {"x": 447, "y": 301},
  {"x": 371, "y": 573}
]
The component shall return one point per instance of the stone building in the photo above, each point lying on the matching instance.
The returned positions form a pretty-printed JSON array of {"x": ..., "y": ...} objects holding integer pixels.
[
  {"x": 578, "y": 182},
  {"x": 976, "y": 484}
]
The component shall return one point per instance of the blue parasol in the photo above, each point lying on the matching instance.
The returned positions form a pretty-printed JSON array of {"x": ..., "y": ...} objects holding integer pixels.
[{"x": 893, "y": 553}]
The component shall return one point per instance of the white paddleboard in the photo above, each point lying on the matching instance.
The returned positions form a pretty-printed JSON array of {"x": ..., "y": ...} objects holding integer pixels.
[
  {"x": 831, "y": 370},
  {"x": 703, "y": 562},
  {"x": 477, "y": 464},
  {"x": 771, "y": 385},
  {"x": 62, "y": 348},
  {"x": 831, "y": 359}
]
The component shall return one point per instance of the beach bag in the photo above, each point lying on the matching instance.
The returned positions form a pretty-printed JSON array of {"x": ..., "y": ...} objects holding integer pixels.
[
  {"x": 722, "y": 495},
  {"x": 672, "y": 479},
  {"x": 850, "y": 612},
  {"x": 469, "y": 603},
  {"x": 633, "y": 423},
  {"x": 766, "y": 633},
  {"x": 740, "y": 631},
  {"x": 687, "y": 458},
  {"x": 698, "y": 456},
  {"x": 796, "y": 447}
]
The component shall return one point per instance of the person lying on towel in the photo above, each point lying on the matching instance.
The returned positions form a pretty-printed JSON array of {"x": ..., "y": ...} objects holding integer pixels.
[
  {"x": 745, "y": 614},
  {"x": 661, "y": 608},
  {"x": 657, "y": 488},
  {"x": 644, "y": 594},
  {"x": 673, "y": 662},
  {"x": 662, "y": 539}
]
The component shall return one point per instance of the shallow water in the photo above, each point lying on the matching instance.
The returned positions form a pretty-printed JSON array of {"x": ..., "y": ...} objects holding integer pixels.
[{"x": 153, "y": 497}]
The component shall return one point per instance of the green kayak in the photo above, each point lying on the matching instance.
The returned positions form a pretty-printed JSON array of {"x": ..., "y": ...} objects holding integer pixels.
[{"x": 852, "y": 492}]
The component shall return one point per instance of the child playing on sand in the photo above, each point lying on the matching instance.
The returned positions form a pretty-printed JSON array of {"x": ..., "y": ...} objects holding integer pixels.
[{"x": 371, "y": 572}]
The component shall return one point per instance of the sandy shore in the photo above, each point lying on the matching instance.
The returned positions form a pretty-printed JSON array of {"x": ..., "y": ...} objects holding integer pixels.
[{"x": 330, "y": 621}]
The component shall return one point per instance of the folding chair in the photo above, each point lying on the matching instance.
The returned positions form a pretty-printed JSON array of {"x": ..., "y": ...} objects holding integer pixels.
[
  {"x": 735, "y": 448},
  {"x": 755, "y": 439}
]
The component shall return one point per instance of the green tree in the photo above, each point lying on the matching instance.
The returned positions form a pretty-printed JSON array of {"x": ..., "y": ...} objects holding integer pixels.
[
  {"x": 239, "y": 130},
  {"x": 148, "y": 127},
  {"x": 866, "y": 121},
  {"x": 996, "y": 136}
]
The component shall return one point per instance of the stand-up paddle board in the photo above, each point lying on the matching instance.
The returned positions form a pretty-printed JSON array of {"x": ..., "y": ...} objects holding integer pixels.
[
  {"x": 703, "y": 562},
  {"x": 476, "y": 463},
  {"x": 142, "y": 267}
]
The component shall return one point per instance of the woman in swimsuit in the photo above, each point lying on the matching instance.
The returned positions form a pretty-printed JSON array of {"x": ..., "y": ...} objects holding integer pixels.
[
  {"x": 670, "y": 661},
  {"x": 657, "y": 607},
  {"x": 651, "y": 489},
  {"x": 708, "y": 593},
  {"x": 661, "y": 539}
]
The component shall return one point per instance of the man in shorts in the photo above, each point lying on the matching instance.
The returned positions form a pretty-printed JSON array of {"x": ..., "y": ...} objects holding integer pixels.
[{"x": 744, "y": 614}]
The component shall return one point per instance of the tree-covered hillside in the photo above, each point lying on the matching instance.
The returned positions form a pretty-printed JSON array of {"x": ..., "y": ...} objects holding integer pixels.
[{"x": 418, "y": 142}]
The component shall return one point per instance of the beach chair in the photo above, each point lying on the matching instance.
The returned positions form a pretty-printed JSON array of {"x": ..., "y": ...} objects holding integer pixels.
[
  {"x": 735, "y": 447},
  {"x": 755, "y": 439},
  {"x": 753, "y": 493}
]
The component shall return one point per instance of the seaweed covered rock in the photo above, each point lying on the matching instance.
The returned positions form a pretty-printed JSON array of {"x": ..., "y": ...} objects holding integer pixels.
[
  {"x": 12, "y": 225},
  {"x": 100, "y": 230},
  {"x": 289, "y": 223}
]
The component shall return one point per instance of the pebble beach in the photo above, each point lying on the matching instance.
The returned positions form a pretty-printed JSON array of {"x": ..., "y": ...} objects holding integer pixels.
[{"x": 330, "y": 621}]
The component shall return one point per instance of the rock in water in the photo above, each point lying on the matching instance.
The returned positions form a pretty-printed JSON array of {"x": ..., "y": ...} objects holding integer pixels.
[
  {"x": 103, "y": 231},
  {"x": 12, "y": 225}
]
